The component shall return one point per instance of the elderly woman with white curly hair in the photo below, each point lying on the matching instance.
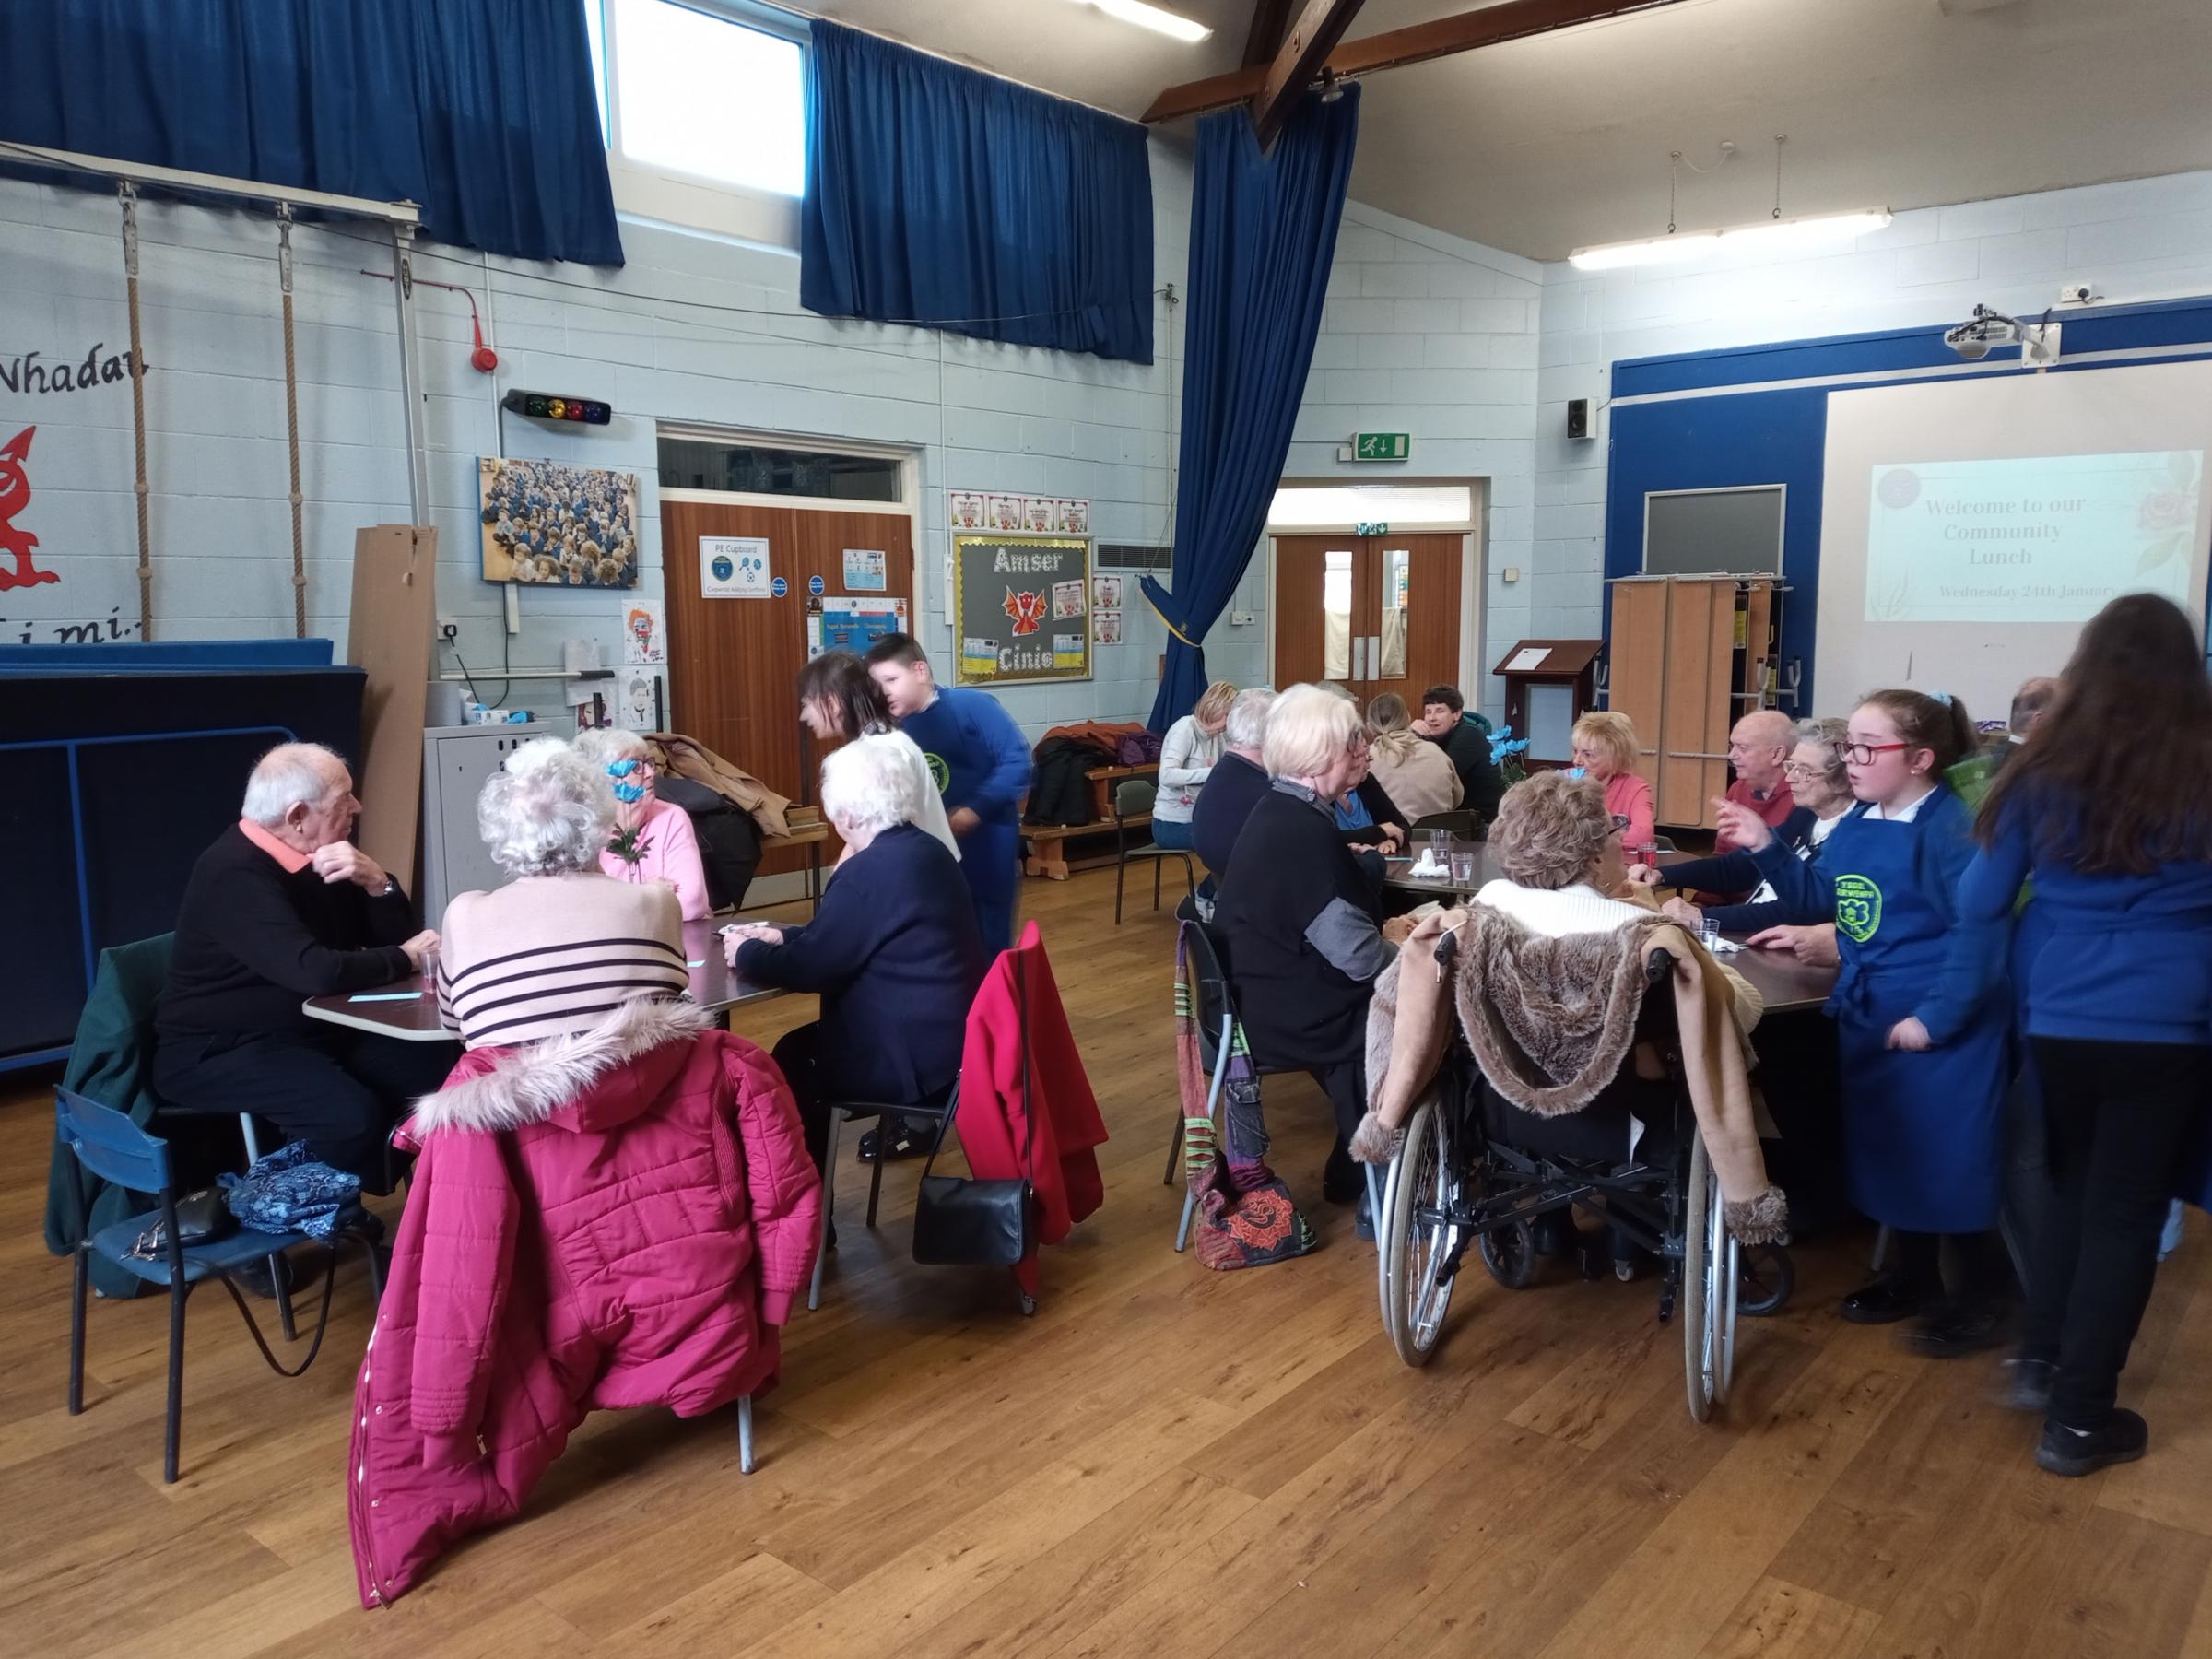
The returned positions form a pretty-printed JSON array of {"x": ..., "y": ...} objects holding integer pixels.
[
  {"x": 893, "y": 953},
  {"x": 562, "y": 944},
  {"x": 660, "y": 842}
]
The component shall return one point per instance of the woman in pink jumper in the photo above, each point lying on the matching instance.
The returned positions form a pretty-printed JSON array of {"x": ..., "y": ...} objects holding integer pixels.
[
  {"x": 666, "y": 848},
  {"x": 1605, "y": 749}
]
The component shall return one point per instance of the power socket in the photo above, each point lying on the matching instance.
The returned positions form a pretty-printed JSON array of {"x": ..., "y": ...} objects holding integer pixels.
[
  {"x": 2079, "y": 293},
  {"x": 448, "y": 630}
]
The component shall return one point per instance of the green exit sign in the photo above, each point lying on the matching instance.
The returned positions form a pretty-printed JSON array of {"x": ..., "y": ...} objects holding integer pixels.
[{"x": 1382, "y": 446}]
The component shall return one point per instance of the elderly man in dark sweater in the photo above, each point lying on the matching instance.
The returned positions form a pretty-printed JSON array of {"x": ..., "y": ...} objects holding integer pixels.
[{"x": 281, "y": 908}]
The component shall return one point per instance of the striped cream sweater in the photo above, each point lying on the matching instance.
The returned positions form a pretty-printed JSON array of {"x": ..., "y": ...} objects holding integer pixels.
[{"x": 552, "y": 954}]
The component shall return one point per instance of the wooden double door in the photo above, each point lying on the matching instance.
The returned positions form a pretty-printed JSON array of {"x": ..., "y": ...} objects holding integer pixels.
[
  {"x": 734, "y": 664},
  {"x": 1373, "y": 613}
]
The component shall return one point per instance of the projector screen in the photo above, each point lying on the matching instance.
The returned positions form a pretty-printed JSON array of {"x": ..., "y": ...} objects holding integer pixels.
[{"x": 1969, "y": 527}]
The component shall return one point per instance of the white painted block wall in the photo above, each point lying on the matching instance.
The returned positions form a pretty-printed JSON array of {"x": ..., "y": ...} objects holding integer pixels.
[{"x": 2146, "y": 239}]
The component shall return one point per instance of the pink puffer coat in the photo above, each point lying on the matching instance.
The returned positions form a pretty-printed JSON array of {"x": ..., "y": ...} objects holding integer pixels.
[{"x": 616, "y": 1218}]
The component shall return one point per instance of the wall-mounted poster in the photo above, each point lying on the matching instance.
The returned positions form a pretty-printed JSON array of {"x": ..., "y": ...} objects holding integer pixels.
[
  {"x": 968, "y": 508},
  {"x": 972, "y": 510},
  {"x": 1106, "y": 627},
  {"x": 644, "y": 632},
  {"x": 852, "y": 625},
  {"x": 557, "y": 525},
  {"x": 865, "y": 571},
  {"x": 733, "y": 567},
  {"x": 1010, "y": 608},
  {"x": 1105, "y": 593}
]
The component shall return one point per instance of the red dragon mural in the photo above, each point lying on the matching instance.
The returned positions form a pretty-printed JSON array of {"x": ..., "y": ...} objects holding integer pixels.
[
  {"x": 1027, "y": 610},
  {"x": 14, "y": 496}
]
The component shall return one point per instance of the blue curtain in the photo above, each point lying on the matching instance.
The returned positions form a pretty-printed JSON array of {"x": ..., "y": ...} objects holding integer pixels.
[
  {"x": 483, "y": 112},
  {"x": 1263, "y": 234},
  {"x": 941, "y": 196}
]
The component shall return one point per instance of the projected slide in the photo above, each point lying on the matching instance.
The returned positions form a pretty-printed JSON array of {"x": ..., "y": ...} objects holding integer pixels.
[{"x": 2041, "y": 539}]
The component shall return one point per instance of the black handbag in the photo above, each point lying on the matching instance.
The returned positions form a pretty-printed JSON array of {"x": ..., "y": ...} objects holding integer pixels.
[
  {"x": 202, "y": 1218},
  {"x": 962, "y": 1222}
]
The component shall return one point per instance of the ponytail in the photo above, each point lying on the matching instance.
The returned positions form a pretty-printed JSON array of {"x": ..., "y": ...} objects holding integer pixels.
[{"x": 1939, "y": 723}]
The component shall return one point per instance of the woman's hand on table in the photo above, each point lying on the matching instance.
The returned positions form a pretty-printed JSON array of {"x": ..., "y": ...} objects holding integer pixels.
[
  {"x": 424, "y": 944},
  {"x": 1739, "y": 824},
  {"x": 1815, "y": 945},
  {"x": 735, "y": 936}
]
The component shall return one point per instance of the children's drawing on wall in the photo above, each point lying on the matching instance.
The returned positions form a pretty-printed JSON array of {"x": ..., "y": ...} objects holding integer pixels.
[
  {"x": 644, "y": 632},
  {"x": 636, "y": 701},
  {"x": 16, "y": 541},
  {"x": 550, "y": 522}
]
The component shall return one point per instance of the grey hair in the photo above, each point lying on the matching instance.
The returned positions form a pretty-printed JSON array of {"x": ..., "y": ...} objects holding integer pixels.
[
  {"x": 1247, "y": 725},
  {"x": 1549, "y": 828},
  {"x": 1307, "y": 729},
  {"x": 1831, "y": 735},
  {"x": 291, "y": 774},
  {"x": 871, "y": 784},
  {"x": 550, "y": 812},
  {"x": 603, "y": 745}
]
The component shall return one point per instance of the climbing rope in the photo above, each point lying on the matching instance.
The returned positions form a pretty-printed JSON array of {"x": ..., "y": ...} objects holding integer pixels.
[
  {"x": 129, "y": 197},
  {"x": 291, "y": 419}
]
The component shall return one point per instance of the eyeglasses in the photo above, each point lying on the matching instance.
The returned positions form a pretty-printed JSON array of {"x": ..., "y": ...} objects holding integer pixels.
[
  {"x": 1620, "y": 822},
  {"x": 1862, "y": 754},
  {"x": 1796, "y": 768}
]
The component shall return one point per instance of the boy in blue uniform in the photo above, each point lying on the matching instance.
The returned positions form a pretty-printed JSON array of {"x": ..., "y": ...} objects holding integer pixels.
[{"x": 982, "y": 764}]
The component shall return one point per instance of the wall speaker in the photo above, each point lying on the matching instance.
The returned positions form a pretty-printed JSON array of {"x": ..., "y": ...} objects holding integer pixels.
[{"x": 1578, "y": 417}]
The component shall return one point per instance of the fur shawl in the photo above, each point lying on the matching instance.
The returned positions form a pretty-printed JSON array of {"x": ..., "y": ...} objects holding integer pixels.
[{"x": 527, "y": 1084}]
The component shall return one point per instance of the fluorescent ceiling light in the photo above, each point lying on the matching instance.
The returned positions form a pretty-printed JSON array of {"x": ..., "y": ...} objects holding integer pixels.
[
  {"x": 1153, "y": 17},
  {"x": 1768, "y": 237}
]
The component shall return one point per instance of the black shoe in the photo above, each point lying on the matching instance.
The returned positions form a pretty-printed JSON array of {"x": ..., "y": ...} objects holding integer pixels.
[
  {"x": 1885, "y": 1301},
  {"x": 1554, "y": 1234},
  {"x": 906, "y": 1141},
  {"x": 1342, "y": 1180},
  {"x": 1363, "y": 1220},
  {"x": 2025, "y": 1385},
  {"x": 2124, "y": 1438},
  {"x": 1951, "y": 1331}
]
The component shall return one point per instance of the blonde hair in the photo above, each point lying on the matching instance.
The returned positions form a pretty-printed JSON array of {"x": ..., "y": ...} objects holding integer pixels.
[
  {"x": 1213, "y": 708},
  {"x": 1307, "y": 728},
  {"x": 1388, "y": 714},
  {"x": 1550, "y": 828},
  {"x": 1613, "y": 732}
]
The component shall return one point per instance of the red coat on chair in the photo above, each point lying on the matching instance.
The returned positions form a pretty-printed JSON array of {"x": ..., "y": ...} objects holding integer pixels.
[
  {"x": 616, "y": 1218},
  {"x": 994, "y": 1112}
]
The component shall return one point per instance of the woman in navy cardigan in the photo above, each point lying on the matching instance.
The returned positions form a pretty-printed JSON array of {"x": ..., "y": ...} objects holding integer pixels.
[{"x": 893, "y": 953}]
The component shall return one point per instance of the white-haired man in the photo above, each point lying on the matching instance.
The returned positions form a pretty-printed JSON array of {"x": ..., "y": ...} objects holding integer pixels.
[{"x": 281, "y": 908}]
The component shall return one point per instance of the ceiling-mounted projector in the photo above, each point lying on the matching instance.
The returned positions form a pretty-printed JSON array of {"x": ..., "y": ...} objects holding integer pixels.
[{"x": 1974, "y": 338}]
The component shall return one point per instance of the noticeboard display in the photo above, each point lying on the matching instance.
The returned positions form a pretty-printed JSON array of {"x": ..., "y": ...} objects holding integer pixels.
[{"x": 1022, "y": 608}]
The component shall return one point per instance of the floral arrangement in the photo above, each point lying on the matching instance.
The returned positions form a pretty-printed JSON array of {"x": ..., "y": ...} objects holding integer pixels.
[
  {"x": 1505, "y": 754},
  {"x": 630, "y": 845}
]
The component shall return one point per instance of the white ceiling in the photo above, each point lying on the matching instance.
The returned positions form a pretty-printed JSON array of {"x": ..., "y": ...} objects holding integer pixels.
[{"x": 1545, "y": 145}]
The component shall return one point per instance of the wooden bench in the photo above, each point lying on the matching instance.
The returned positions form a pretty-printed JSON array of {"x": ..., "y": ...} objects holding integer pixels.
[{"x": 1048, "y": 843}]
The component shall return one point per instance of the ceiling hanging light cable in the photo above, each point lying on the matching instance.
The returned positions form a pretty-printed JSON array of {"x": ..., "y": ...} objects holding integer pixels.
[{"x": 1775, "y": 236}]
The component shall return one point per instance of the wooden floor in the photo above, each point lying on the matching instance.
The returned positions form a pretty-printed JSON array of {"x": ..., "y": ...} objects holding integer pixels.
[{"x": 1165, "y": 1462}]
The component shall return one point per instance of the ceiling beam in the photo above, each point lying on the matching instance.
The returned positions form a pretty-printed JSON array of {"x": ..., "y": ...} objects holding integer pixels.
[
  {"x": 1270, "y": 21},
  {"x": 1510, "y": 21},
  {"x": 1319, "y": 26}
]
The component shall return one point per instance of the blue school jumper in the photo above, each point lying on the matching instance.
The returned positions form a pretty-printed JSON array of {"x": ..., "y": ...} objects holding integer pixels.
[
  {"x": 1923, "y": 1131},
  {"x": 980, "y": 761}
]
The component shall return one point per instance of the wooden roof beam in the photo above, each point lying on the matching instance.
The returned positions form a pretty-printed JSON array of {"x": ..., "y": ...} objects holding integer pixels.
[
  {"x": 1319, "y": 26},
  {"x": 1466, "y": 31}
]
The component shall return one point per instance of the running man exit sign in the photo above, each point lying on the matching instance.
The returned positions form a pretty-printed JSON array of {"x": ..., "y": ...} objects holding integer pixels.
[{"x": 1382, "y": 446}]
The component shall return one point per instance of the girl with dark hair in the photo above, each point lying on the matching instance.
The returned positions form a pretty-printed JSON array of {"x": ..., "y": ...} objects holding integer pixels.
[
  {"x": 1923, "y": 1040},
  {"x": 838, "y": 702},
  {"x": 2117, "y": 840}
]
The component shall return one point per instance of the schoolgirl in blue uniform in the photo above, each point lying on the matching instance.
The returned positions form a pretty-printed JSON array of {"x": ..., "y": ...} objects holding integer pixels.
[
  {"x": 1924, "y": 1034},
  {"x": 2116, "y": 838}
]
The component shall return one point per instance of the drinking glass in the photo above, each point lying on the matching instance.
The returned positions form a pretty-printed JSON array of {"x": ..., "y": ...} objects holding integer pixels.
[{"x": 1463, "y": 868}]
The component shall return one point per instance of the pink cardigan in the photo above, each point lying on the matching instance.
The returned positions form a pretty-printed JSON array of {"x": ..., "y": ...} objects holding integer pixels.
[
  {"x": 1628, "y": 796},
  {"x": 671, "y": 855}
]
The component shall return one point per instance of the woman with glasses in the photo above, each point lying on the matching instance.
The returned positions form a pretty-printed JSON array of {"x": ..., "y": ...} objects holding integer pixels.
[
  {"x": 1923, "y": 1042},
  {"x": 2116, "y": 838},
  {"x": 1816, "y": 778},
  {"x": 654, "y": 840}
]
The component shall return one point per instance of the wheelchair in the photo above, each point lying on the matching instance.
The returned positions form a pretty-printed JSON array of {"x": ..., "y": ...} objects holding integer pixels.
[{"x": 1474, "y": 1171}]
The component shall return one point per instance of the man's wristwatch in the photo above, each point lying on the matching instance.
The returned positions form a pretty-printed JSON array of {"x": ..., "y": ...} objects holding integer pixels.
[{"x": 391, "y": 887}]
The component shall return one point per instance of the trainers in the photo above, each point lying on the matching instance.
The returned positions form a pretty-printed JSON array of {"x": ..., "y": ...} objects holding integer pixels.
[
  {"x": 2071, "y": 1452},
  {"x": 1951, "y": 1330},
  {"x": 1885, "y": 1301},
  {"x": 2025, "y": 1385}
]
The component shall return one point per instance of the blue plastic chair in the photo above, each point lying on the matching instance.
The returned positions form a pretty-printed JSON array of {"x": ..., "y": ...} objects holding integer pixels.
[{"x": 107, "y": 1143}]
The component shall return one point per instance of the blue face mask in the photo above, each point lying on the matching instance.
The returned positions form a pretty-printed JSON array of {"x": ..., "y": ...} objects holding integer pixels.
[
  {"x": 629, "y": 795},
  {"x": 1578, "y": 771}
]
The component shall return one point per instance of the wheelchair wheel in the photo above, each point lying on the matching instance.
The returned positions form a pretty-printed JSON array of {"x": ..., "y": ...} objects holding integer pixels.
[
  {"x": 1509, "y": 1253},
  {"x": 1765, "y": 1281},
  {"x": 1424, "y": 1175},
  {"x": 1711, "y": 1273}
]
